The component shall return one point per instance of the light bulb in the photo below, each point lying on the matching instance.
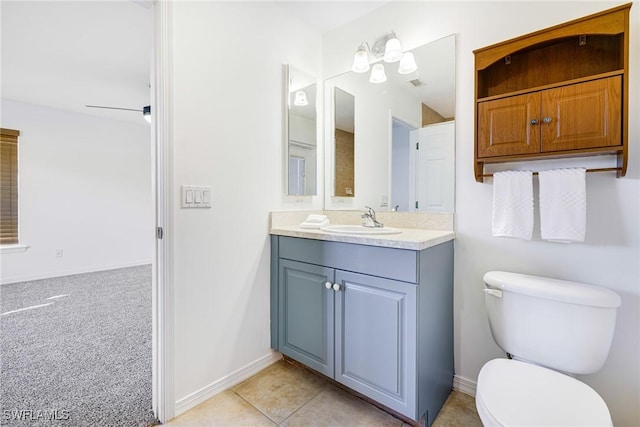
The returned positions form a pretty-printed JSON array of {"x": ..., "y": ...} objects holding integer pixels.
[{"x": 377, "y": 74}]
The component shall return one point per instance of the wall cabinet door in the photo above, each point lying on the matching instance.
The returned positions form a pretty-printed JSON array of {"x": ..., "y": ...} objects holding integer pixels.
[
  {"x": 585, "y": 115},
  {"x": 376, "y": 339},
  {"x": 508, "y": 126},
  {"x": 573, "y": 117},
  {"x": 306, "y": 317}
]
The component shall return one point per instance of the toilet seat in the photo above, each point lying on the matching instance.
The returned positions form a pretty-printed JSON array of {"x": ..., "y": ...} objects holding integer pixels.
[{"x": 514, "y": 393}]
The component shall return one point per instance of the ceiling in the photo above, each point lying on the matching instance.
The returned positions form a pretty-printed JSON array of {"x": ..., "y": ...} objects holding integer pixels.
[
  {"x": 66, "y": 54},
  {"x": 69, "y": 54},
  {"x": 325, "y": 16}
]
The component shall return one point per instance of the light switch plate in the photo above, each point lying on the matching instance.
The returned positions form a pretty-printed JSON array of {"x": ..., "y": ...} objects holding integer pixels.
[{"x": 196, "y": 196}]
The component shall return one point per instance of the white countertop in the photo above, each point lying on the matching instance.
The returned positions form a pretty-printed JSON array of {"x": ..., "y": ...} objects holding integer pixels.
[{"x": 409, "y": 238}]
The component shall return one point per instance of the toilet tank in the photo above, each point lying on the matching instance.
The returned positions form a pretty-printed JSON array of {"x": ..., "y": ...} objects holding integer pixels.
[{"x": 562, "y": 325}]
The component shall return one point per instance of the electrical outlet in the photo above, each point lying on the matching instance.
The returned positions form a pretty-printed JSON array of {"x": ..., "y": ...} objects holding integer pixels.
[{"x": 58, "y": 253}]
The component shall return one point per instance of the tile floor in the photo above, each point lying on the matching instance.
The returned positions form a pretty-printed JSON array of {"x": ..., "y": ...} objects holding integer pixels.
[{"x": 285, "y": 394}]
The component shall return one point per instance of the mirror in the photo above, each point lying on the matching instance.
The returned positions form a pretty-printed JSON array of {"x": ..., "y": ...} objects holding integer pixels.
[
  {"x": 404, "y": 144},
  {"x": 344, "y": 137},
  {"x": 301, "y": 132}
]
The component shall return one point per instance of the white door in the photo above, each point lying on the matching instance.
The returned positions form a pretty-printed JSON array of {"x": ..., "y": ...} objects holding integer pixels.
[
  {"x": 296, "y": 175},
  {"x": 435, "y": 168}
]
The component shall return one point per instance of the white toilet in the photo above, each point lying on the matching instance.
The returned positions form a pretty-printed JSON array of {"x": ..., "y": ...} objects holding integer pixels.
[{"x": 549, "y": 329}]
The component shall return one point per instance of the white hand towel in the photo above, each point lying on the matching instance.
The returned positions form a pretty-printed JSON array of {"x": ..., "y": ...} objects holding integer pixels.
[
  {"x": 315, "y": 221},
  {"x": 563, "y": 205},
  {"x": 513, "y": 204},
  {"x": 316, "y": 218}
]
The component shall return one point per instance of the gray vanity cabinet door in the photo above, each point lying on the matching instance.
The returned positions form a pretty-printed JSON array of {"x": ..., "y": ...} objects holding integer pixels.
[
  {"x": 376, "y": 339},
  {"x": 306, "y": 314}
]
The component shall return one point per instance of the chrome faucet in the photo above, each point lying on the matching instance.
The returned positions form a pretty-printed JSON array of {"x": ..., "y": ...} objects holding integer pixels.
[{"x": 369, "y": 216}]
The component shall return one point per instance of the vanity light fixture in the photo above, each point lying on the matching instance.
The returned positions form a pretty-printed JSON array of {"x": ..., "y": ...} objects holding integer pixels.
[
  {"x": 387, "y": 48},
  {"x": 300, "y": 99}
]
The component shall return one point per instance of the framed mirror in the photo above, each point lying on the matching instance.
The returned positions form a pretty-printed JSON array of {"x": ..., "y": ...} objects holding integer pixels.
[
  {"x": 344, "y": 138},
  {"x": 301, "y": 141},
  {"x": 404, "y": 146}
]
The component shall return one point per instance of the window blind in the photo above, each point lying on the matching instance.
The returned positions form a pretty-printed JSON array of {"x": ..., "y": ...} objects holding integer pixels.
[{"x": 9, "y": 186}]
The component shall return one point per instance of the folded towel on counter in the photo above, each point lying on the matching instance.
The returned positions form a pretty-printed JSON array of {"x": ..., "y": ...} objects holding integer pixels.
[
  {"x": 316, "y": 218},
  {"x": 512, "y": 214},
  {"x": 315, "y": 221},
  {"x": 563, "y": 205}
]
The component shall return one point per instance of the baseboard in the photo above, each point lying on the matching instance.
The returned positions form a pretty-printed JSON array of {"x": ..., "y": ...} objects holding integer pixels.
[
  {"x": 464, "y": 385},
  {"x": 224, "y": 383},
  {"x": 49, "y": 275}
]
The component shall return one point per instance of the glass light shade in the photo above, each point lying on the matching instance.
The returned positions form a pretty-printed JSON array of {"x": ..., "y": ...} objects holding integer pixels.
[
  {"x": 407, "y": 63},
  {"x": 392, "y": 50},
  {"x": 360, "y": 61},
  {"x": 301, "y": 98},
  {"x": 377, "y": 74}
]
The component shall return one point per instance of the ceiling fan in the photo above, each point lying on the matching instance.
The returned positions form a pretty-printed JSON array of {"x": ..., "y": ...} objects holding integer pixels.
[{"x": 146, "y": 110}]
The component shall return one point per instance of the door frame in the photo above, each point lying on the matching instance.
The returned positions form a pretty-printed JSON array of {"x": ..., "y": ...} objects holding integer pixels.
[{"x": 162, "y": 137}]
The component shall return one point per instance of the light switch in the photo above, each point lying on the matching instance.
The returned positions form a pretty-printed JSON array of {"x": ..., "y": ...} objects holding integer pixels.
[{"x": 196, "y": 196}]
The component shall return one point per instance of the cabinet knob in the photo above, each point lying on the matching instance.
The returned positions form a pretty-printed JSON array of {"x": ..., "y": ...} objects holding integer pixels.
[
  {"x": 336, "y": 287},
  {"x": 547, "y": 119},
  {"x": 328, "y": 285},
  {"x": 534, "y": 121}
]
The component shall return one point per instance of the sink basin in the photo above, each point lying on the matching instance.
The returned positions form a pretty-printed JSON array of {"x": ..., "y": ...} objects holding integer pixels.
[{"x": 359, "y": 229}]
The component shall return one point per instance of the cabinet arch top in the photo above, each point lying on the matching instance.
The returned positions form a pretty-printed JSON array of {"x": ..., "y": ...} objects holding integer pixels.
[{"x": 610, "y": 22}]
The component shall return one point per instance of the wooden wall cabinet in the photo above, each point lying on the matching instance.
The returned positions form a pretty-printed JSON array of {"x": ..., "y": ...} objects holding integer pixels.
[{"x": 559, "y": 92}]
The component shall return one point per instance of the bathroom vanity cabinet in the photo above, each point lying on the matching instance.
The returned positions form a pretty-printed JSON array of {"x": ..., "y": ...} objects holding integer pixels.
[
  {"x": 558, "y": 92},
  {"x": 377, "y": 319}
]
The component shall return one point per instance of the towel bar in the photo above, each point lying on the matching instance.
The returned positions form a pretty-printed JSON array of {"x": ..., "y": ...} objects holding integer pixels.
[{"x": 489, "y": 175}]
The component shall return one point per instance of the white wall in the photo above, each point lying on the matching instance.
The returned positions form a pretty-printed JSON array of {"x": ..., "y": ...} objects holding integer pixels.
[
  {"x": 84, "y": 187},
  {"x": 609, "y": 257},
  {"x": 228, "y": 133}
]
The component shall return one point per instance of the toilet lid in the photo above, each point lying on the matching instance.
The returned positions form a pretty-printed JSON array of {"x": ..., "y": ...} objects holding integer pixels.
[{"x": 515, "y": 393}]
